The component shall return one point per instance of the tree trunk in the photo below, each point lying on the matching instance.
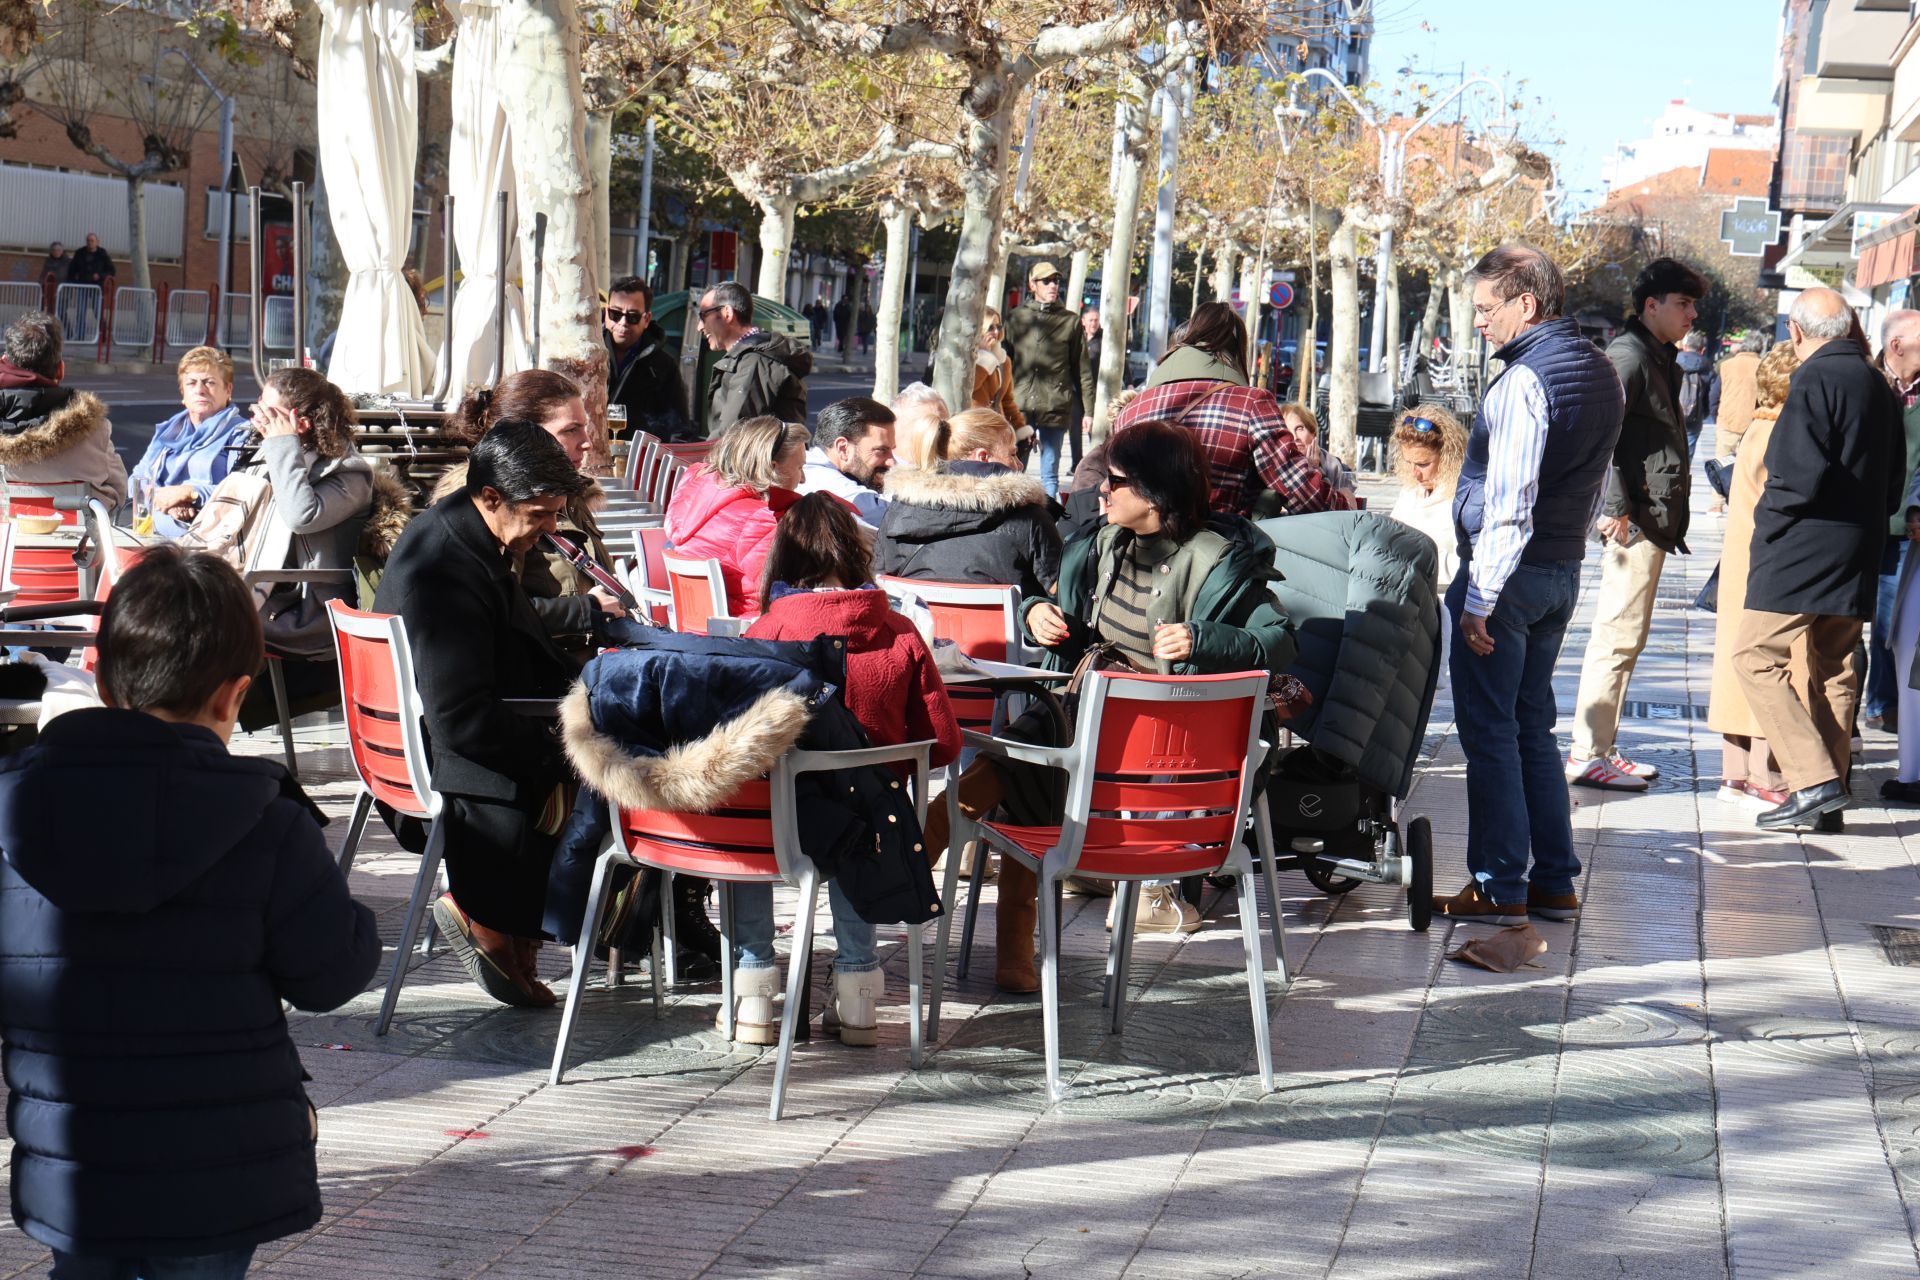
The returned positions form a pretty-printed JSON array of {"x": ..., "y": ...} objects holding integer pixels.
[
  {"x": 1343, "y": 355},
  {"x": 1390, "y": 355},
  {"x": 137, "y": 234},
  {"x": 1199, "y": 276},
  {"x": 997, "y": 276},
  {"x": 679, "y": 264},
  {"x": 1253, "y": 273},
  {"x": 1116, "y": 270},
  {"x": 540, "y": 74},
  {"x": 982, "y": 178},
  {"x": 1076, "y": 295},
  {"x": 776, "y": 246},
  {"x": 1306, "y": 365},
  {"x": 326, "y": 269},
  {"x": 1428, "y": 324},
  {"x": 600, "y": 165},
  {"x": 1459, "y": 315},
  {"x": 1223, "y": 265},
  {"x": 898, "y": 219}
]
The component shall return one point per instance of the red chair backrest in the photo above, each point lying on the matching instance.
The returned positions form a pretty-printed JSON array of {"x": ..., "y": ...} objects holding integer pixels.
[
  {"x": 974, "y": 617},
  {"x": 45, "y": 575},
  {"x": 694, "y": 601},
  {"x": 1180, "y": 761},
  {"x": 653, "y": 550},
  {"x": 38, "y": 499},
  {"x": 121, "y": 559},
  {"x": 733, "y": 842},
  {"x": 377, "y": 712}
]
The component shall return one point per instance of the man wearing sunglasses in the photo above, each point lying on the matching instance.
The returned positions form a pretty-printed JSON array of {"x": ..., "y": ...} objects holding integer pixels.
[
  {"x": 642, "y": 373},
  {"x": 1536, "y": 460},
  {"x": 757, "y": 372}
]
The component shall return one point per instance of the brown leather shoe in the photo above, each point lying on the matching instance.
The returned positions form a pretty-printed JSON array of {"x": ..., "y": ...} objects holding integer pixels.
[
  {"x": 1471, "y": 904},
  {"x": 1552, "y": 906}
]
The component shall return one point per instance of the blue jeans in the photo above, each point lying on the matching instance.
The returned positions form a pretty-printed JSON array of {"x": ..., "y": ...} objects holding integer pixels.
[
  {"x": 204, "y": 1266},
  {"x": 753, "y": 930},
  {"x": 1051, "y": 438},
  {"x": 1883, "y": 683},
  {"x": 1504, "y": 713}
]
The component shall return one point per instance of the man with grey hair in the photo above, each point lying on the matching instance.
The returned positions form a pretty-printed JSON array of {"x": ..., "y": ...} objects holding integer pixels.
[
  {"x": 758, "y": 372},
  {"x": 917, "y": 410},
  {"x": 49, "y": 434},
  {"x": 1536, "y": 460},
  {"x": 1833, "y": 478},
  {"x": 1900, "y": 359}
]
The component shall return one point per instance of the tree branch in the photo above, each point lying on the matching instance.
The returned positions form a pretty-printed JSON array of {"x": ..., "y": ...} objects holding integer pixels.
[{"x": 864, "y": 39}]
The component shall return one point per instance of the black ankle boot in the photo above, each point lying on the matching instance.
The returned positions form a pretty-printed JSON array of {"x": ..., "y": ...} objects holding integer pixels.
[{"x": 697, "y": 941}]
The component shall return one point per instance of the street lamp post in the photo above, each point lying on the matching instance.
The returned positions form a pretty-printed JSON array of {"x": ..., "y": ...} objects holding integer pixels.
[{"x": 1393, "y": 172}]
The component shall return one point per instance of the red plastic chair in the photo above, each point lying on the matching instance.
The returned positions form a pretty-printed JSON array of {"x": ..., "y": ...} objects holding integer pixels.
[
  {"x": 115, "y": 561},
  {"x": 647, "y": 576},
  {"x": 688, "y": 452},
  {"x": 696, "y": 593},
  {"x": 66, "y": 499},
  {"x": 753, "y": 838},
  {"x": 386, "y": 736},
  {"x": 1159, "y": 780}
]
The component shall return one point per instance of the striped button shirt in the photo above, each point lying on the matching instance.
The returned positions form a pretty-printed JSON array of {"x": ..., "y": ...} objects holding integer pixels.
[{"x": 1516, "y": 411}]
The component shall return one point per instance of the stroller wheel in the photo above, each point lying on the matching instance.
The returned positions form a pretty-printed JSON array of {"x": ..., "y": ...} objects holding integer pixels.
[
  {"x": 1325, "y": 878},
  {"x": 1420, "y": 883}
]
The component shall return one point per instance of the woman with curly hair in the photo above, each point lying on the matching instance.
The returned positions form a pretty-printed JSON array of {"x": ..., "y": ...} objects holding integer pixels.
[{"x": 1429, "y": 445}]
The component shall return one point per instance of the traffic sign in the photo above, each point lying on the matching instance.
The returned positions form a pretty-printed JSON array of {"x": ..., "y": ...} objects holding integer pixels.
[{"x": 1281, "y": 295}]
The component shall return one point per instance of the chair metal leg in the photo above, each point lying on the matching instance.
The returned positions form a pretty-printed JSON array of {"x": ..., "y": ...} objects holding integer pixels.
[
  {"x": 615, "y": 963},
  {"x": 666, "y": 927},
  {"x": 1126, "y": 903},
  {"x": 797, "y": 978},
  {"x": 1263, "y": 836},
  {"x": 1050, "y": 982},
  {"x": 356, "y": 827},
  {"x": 916, "y": 984},
  {"x": 659, "y": 1006},
  {"x": 1256, "y": 978},
  {"x": 943, "y": 928},
  {"x": 424, "y": 883},
  {"x": 726, "y": 960},
  {"x": 974, "y": 882},
  {"x": 429, "y": 930},
  {"x": 583, "y": 957},
  {"x": 278, "y": 679}
]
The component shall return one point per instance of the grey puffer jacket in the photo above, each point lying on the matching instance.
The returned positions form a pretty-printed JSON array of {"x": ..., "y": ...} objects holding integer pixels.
[
  {"x": 969, "y": 522},
  {"x": 1360, "y": 590}
]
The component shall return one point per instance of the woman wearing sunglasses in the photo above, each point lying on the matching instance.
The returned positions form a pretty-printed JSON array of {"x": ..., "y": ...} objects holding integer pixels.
[
  {"x": 993, "y": 377},
  {"x": 1179, "y": 592},
  {"x": 1428, "y": 447}
]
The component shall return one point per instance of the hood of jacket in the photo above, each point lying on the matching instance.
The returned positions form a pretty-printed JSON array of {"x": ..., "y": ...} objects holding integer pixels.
[
  {"x": 12, "y": 375},
  {"x": 681, "y": 727},
  {"x": 37, "y": 423},
  {"x": 1191, "y": 364},
  {"x": 387, "y": 520},
  {"x": 956, "y": 498},
  {"x": 859, "y": 613},
  {"x": 797, "y": 358},
  {"x": 181, "y": 803}
]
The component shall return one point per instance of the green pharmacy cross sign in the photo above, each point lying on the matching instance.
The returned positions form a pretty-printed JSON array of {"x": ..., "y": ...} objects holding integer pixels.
[{"x": 1749, "y": 228}]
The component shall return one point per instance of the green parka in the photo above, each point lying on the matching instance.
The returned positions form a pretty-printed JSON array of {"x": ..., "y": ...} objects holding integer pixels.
[{"x": 1049, "y": 353}]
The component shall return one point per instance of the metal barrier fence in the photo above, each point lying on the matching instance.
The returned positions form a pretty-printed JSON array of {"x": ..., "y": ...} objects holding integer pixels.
[
  {"x": 77, "y": 308},
  {"x": 134, "y": 317},
  {"x": 277, "y": 324},
  {"x": 187, "y": 316},
  {"x": 236, "y": 322},
  {"x": 16, "y": 299}
]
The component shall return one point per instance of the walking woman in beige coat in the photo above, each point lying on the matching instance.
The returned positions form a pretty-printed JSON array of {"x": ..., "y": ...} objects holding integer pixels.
[{"x": 1748, "y": 773}]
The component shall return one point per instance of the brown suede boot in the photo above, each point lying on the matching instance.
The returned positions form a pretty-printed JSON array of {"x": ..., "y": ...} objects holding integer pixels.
[
  {"x": 1014, "y": 918},
  {"x": 979, "y": 789}
]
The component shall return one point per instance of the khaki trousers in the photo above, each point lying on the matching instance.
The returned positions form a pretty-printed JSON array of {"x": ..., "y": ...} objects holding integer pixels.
[
  {"x": 1811, "y": 734},
  {"x": 1621, "y": 618}
]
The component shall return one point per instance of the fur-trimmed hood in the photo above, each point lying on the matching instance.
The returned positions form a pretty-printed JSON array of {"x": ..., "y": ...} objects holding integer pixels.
[
  {"x": 981, "y": 487},
  {"x": 688, "y": 777},
  {"x": 38, "y": 423},
  {"x": 387, "y": 520}
]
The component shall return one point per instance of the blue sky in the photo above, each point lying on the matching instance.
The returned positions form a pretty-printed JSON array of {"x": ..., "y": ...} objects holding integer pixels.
[{"x": 1595, "y": 73}]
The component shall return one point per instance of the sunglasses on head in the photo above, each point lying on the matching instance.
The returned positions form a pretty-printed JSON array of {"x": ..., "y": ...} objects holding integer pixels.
[
  {"x": 1425, "y": 426},
  {"x": 616, "y": 316}
]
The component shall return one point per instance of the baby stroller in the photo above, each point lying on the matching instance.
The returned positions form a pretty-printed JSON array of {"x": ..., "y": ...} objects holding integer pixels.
[{"x": 1360, "y": 590}]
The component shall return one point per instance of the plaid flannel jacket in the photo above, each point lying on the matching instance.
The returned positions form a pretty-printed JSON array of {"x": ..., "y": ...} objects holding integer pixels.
[{"x": 1245, "y": 441}]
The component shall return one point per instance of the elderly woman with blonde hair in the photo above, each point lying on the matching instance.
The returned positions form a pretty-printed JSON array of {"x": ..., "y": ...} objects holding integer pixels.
[
  {"x": 727, "y": 509},
  {"x": 191, "y": 452}
]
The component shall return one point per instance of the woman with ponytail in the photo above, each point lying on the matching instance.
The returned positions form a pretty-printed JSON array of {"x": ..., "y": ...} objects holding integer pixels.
[{"x": 966, "y": 513}]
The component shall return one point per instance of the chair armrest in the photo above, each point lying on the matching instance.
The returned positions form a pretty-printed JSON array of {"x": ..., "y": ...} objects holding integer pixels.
[
  {"x": 34, "y": 638},
  {"x": 1008, "y": 749},
  {"x": 52, "y": 609},
  {"x": 292, "y": 577},
  {"x": 798, "y": 761}
]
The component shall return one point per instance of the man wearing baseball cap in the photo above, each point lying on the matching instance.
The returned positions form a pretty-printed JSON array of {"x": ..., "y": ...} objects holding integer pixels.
[{"x": 1049, "y": 355}]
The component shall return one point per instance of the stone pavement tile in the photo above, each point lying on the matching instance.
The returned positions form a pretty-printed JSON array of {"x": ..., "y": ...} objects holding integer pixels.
[
  {"x": 1417, "y": 1207},
  {"x": 1046, "y": 1245},
  {"x": 1605, "y": 1222},
  {"x": 1153, "y": 1263}
]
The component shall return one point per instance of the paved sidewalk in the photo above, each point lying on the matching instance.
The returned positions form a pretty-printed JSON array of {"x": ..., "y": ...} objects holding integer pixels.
[{"x": 1715, "y": 1073}]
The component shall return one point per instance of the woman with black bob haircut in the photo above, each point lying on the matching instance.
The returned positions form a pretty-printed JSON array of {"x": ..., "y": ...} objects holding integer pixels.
[{"x": 1179, "y": 591}]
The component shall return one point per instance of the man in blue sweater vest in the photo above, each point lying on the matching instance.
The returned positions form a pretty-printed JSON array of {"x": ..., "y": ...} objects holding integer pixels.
[{"x": 1536, "y": 460}]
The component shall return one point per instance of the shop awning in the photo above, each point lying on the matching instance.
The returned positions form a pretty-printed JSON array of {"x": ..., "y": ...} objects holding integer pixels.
[{"x": 1887, "y": 254}]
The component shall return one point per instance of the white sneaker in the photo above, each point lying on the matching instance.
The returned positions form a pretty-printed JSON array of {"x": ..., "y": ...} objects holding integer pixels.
[
  {"x": 753, "y": 1017},
  {"x": 854, "y": 1012},
  {"x": 1601, "y": 775},
  {"x": 1161, "y": 910},
  {"x": 1632, "y": 768}
]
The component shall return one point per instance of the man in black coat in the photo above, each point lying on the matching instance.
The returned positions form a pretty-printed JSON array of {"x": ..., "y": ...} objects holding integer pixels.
[
  {"x": 1833, "y": 478},
  {"x": 159, "y": 898},
  {"x": 477, "y": 642},
  {"x": 643, "y": 373}
]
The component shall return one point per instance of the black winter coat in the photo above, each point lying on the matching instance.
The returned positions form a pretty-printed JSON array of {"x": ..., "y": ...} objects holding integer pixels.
[
  {"x": 682, "y": 725},
  {"x": 1650, "y": 477},
  {"x": 1833, "y": 478},
  {"x": 649, "y": 386},
  {"x": 475, "y": 641},
  {"x": 146, "y": 943},
  {"x": 969, "y": 522}
]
